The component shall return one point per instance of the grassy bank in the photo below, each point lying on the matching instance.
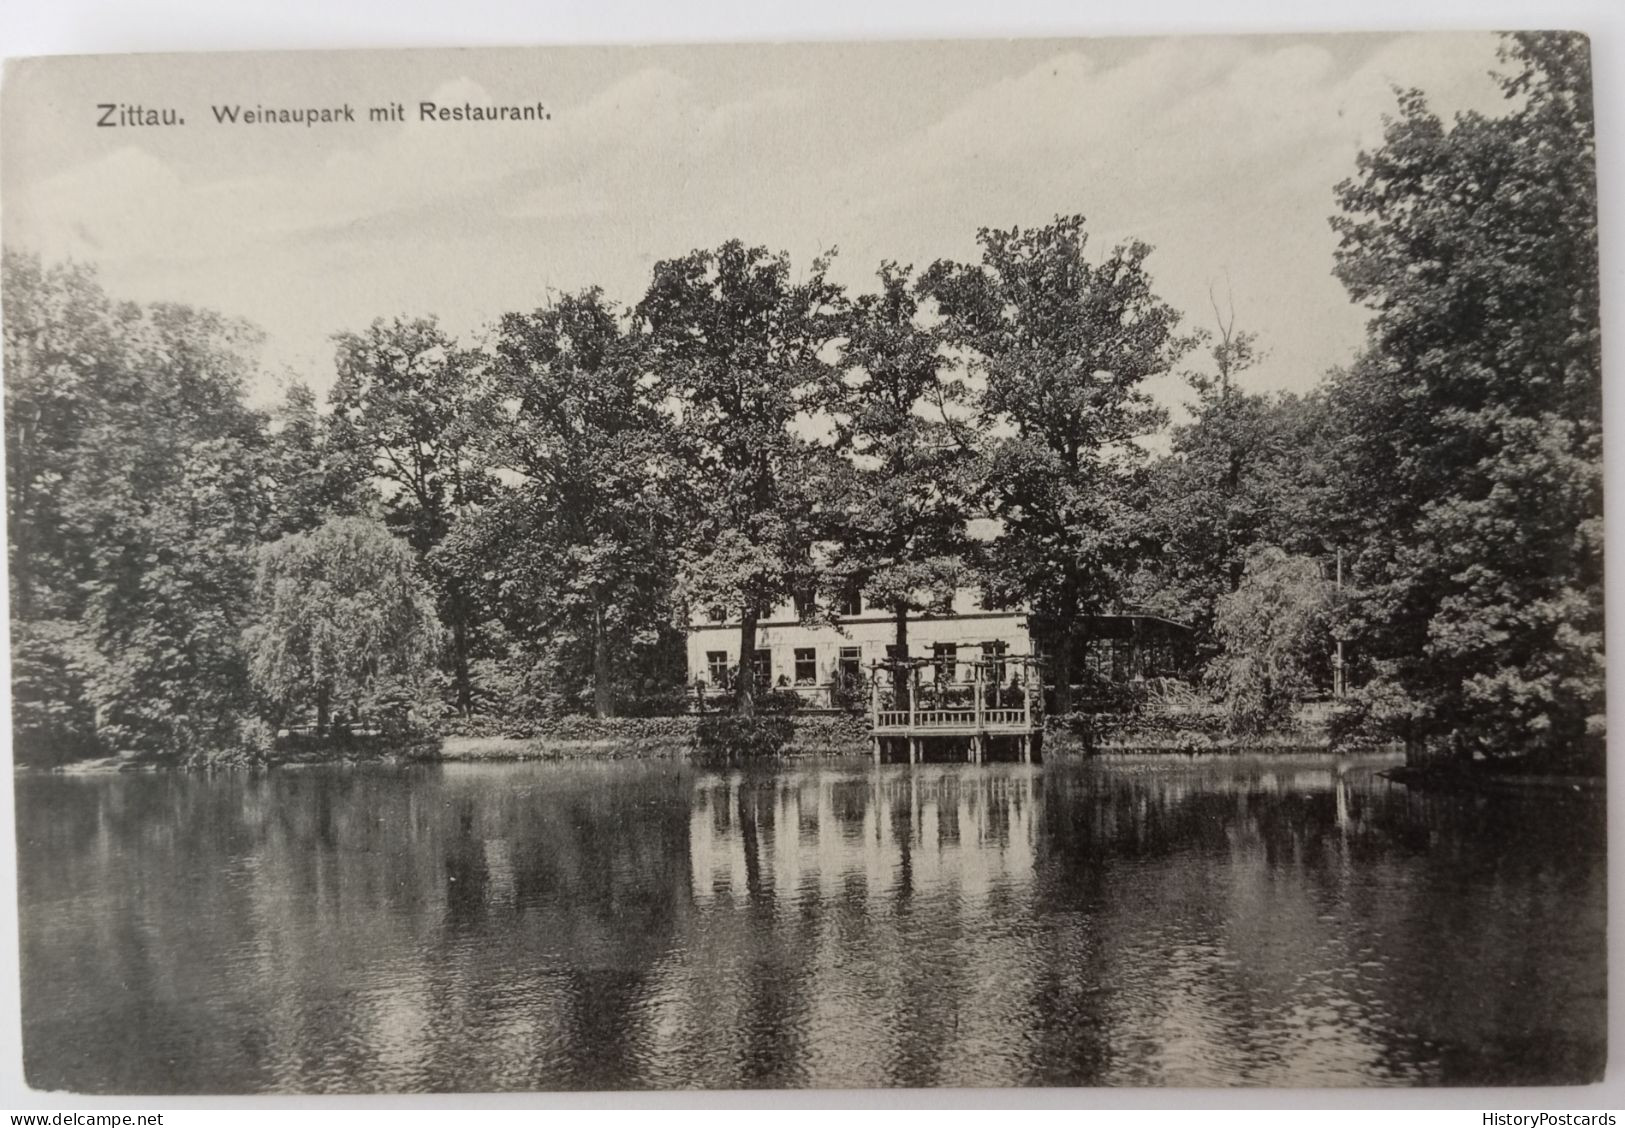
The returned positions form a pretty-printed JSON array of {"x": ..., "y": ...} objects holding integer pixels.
[{"x": 667, "y": 738}]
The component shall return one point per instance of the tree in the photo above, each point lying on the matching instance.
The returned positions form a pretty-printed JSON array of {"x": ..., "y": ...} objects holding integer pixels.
[
  {"x": 413, "y": 403},
  {"x": 1245, "y": 471},
  {"x": 339, "y": 612},
  {"x": 1469, "y": 434},
  {"x": 1274, "y": 635},
  {"x": 311, "y": 477},
  {"x": 579, "y": 544},
  {"x": 134, "y": 471},
  {"x": 902, "y": 511},
  {"x": 738, "y": 345},
  {"x": 1063, "y": 348}
]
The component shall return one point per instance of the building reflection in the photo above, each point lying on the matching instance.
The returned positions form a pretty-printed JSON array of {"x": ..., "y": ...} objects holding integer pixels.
[
  {"x": 888, "y": 834},
  {"x": 599, "y": 926}
]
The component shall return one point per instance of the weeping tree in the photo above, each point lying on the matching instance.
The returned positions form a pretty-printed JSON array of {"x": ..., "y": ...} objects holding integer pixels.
[
  {"x": 1274, "y": 632},
  {"x": 411, "y": 404},
  {"x": 341, "y": 616}
]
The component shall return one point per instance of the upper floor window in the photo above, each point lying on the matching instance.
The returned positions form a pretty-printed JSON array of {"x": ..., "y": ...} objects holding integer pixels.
[{"x": 852, "y": 603}]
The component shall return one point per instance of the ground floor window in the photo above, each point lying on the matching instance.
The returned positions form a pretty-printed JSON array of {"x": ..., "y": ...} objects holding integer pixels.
[
  {"x": 993, "y": 652},
  {"x": 762, "y": 667},
  {"x": 946, "y": 657},
  {"x": 851, "y": 662},
  {"x": 716, "y": 663},
  {"x": 806, "y": 666}
]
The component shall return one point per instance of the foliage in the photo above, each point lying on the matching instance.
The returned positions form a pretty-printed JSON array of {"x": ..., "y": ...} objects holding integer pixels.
[
  {"x": 903, "y": 486},
  {"x": 1274, "y": 630},
  {"x": 134, "y": 472},
  {"x": 311, "y": 476},
  {"x": 578, "y": 547},
  {"x": 343, "y": 619},
  {"x": 413, "y": 403},
  {"x": 52, "y": 664},
  {"x": 1246, "y": 470},
  {"x": 737, "y": 345},
  {"x": 1469, "y": 454},
  {"x": 1063, "y": 348}
]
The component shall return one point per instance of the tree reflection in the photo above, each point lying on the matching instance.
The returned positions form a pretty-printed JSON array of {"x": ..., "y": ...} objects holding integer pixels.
[{"x": 529, "y": 926}]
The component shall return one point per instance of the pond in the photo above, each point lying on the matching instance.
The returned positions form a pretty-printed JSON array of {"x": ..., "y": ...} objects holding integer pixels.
[{"x": 650, "y": 925}]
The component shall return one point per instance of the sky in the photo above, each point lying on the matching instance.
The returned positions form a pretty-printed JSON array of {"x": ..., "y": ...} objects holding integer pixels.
[{"x": 1220, "y": 152}]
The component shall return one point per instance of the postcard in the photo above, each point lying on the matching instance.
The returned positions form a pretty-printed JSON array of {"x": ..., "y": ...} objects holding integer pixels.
[{"x": 845, "y": 565}]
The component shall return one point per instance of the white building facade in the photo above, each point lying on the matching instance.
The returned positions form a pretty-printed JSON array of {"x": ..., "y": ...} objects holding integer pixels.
[{"x": 812, "y": 659}]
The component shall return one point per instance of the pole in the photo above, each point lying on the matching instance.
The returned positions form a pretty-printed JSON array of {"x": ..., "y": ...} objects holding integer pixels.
[{"x": 1337, "y": 662}]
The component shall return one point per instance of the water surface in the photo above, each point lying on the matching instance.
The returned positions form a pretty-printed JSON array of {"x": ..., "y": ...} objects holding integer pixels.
[{"x": 535, "y": 926}]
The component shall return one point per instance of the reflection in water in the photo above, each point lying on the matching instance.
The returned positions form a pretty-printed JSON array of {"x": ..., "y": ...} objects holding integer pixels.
[{"x": 553, "y": 926}]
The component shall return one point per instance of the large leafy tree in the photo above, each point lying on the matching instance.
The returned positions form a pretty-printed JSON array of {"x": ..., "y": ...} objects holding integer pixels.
[
  {"x": 135, "y": 499},
  {"x": 1245, "y": 471},
  {"x": 1470, "y": 441},
  {"x": 578, "y": 546},
  {"x": 341, "y": 612},
  {"x": 1062, "y": 347},
  {"x": 414, "y": 403},
  {"x": 902, "y": 491},
  {"x": 739, "y": 345},
  {"x": 310, "y": 476}
]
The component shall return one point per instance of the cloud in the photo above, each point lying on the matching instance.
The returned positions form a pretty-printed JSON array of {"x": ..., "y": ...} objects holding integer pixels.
[{"x": 1222, "y": 152}]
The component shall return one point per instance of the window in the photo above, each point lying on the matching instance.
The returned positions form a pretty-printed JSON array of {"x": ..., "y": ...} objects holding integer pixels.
[
  {"x": 762, "y": 667},
  {"x": 716, "y": 614},
  {"x": 806, "y": 603},
  {"x": 994, "y": 652},
  {"x": 716, "y": 661},
  {"x": 851, "y": 662},
  {"x": 806, "y": 666},
  {"x": 852, "y": 603},
  {"x": 946, "y": 656}
]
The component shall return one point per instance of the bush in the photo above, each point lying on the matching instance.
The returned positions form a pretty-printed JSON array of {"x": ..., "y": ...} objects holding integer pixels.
[{"x": 724, "y": 738}]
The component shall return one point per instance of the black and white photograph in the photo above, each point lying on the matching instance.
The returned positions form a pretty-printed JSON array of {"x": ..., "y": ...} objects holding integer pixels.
[{"x": 889, "y": 564}]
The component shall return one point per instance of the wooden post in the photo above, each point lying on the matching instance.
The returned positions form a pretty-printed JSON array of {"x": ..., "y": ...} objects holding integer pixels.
[
  {"x": 976, "y": 691},
  {"x": 913, "y": 695}
]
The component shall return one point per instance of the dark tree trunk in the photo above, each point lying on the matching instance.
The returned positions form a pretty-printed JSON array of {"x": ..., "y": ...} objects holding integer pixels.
[
  {"x": 459, "y": 643},
  {"x": 603, "y": 689},
  {"x": 745, "y": 687},
  {"x": 900, "y": 679},
  {"x": 1061, "y": 667}
]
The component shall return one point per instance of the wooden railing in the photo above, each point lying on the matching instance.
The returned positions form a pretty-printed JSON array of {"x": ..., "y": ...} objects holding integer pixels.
[
  {"x": 944, "y": 718},
  {"x": 926, "y": 719}
]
